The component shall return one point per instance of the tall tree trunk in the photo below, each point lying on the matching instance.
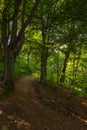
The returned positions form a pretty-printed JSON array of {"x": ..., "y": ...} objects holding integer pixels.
[
  {"x": 62, "y": 78},
  {"x": 43, "y": 64},
  {"x": 44, "y": 53},
  {"x": 11, "y": 39},
  {"x": 78, "y": 60},
  {"x": 9, "y": 70}
]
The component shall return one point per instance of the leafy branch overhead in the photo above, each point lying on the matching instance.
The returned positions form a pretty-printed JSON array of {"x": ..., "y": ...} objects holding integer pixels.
[{"x": 47, "y": 38}]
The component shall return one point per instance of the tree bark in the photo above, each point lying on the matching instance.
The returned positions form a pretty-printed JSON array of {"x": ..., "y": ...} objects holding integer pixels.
[
  {"x": 43, "y": 64},
  {"x": 8, "y": 82},
  {"x": 44, "y": 53},
  {"x": 13, "y": 45},
  {"x": 62, "y": 78}
]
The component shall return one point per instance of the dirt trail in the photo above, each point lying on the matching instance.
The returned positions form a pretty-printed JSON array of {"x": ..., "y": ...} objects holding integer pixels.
[{"x": 33, "y": 106}]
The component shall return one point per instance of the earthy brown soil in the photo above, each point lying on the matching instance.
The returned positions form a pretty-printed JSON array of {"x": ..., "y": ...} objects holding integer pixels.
[{"x": 33, "y": 106}]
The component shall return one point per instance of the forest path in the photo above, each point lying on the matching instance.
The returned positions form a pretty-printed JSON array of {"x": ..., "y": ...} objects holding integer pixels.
[{"x": 33, "y": 106}]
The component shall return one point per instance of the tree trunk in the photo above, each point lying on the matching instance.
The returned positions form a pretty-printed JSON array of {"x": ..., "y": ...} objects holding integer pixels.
[
  {"x": 11, "y": 39},
  {"x": 8, "y": 83},
  {"x": 62, "y": 78},
  {"x": 43, "y": 64}
]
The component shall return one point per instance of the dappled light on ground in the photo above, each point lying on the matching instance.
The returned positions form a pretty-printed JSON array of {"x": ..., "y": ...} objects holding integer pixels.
[
  {"x": 22, "y": 123},
  {"x": 1, "y": 112},
  {"x": 79, "y": 118},
  {"x": 35, "y": 101},
  {"x": 35, "y": 106},
  {"x": 84, "y": 103}
]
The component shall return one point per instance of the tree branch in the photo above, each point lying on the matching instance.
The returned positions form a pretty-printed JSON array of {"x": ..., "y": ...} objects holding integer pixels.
[{"x": 27, "y": 22}]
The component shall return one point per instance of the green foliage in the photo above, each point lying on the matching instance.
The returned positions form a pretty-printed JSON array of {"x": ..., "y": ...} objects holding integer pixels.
[
  {"x": 64, "y": 25},
  {"x": 55, "y": 62},
  {"x": 1, "y": 5},
  {"x": 22, "y": 67}
]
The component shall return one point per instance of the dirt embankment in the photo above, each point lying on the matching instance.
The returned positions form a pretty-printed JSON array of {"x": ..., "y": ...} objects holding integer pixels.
[{"x": 33, "y": 106}]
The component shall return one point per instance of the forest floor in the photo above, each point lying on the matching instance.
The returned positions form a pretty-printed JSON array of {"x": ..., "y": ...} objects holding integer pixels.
[{"x": 33, "y": 106}]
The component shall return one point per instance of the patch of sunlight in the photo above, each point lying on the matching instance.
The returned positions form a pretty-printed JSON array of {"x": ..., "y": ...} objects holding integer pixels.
[
  {"x": 11, "y": 117},
  {"x": 1, "y": 112},
  {"x": 35, "y": 102},
  {"x": 22, "y": 123},
  {"x": 84, "y": 103},
  {"x": 78, "y": 89},
  {"x": 35, "y": 74},
  {"x": 80, "y": 118}
]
